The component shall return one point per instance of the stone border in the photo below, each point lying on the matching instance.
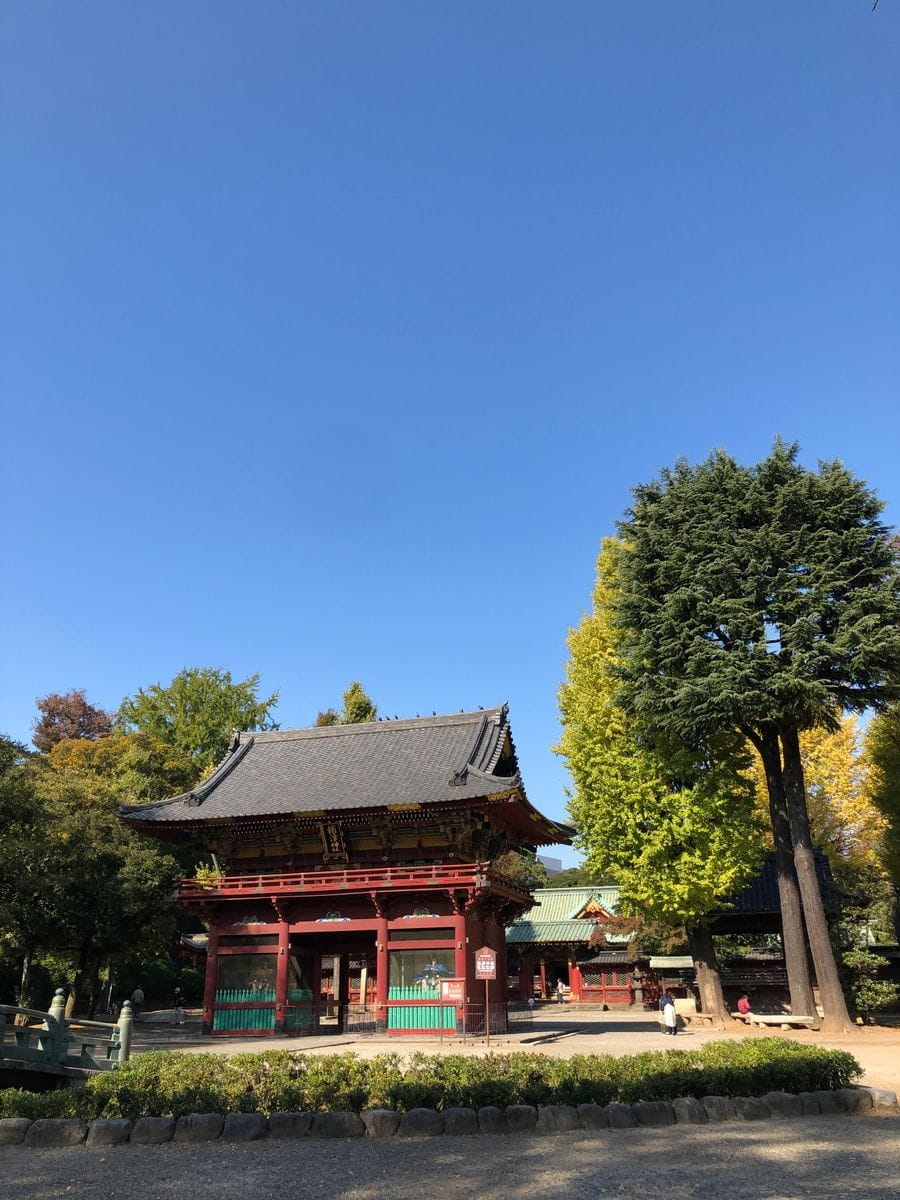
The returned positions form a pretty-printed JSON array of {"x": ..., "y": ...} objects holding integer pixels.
[{"x": 428, "y": 1122}]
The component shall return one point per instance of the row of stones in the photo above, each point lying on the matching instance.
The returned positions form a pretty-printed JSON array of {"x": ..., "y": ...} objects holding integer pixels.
[{"x": 427, "y": 1122}]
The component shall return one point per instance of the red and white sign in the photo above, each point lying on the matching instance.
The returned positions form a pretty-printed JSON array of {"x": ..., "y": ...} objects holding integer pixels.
[
  {"x": 453, "y": 991},
  {"x": 485, "y": 963}
]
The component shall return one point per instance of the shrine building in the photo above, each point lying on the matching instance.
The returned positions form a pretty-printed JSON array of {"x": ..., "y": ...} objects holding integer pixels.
[{"x": 353, "y": 873}]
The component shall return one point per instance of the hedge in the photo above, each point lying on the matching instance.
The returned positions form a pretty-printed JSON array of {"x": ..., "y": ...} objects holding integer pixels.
[{"x": 173, "y": 1084}]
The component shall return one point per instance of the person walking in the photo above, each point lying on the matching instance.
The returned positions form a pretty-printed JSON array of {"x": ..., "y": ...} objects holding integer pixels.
[
  {"x": 560, "y": 992},
  {"x": 137, "y": 1001},
  {"x": 669, "y": 1015},
  {"x": 178, "y": 1007}
]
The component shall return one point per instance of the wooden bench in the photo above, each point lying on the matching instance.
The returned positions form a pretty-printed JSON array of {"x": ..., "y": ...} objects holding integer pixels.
[{"x": 777, "y": 1020}]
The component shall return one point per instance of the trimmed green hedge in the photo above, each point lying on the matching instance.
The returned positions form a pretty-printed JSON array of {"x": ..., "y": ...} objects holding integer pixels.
[{"x": 171, "y": 1084}]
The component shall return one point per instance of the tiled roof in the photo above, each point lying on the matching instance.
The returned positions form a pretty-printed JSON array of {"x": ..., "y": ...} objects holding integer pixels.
[
  {"x": 523, "y": 930},
  {"x": 425, "y": 760},
  {"x": 608, "y": 956},
  {"x": 761, "y": 893}
]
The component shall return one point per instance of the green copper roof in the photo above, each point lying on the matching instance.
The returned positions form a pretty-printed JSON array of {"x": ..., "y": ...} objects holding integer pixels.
[
  {"x": 552, "y": 916},
  {"x": 549, "y": 931},
  {"x": 561, "y": 904}
]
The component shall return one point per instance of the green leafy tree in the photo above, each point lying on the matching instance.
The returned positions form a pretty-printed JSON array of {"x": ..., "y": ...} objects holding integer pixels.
[
  {"x": 358, "y": 707},
  {"x": 581, "y": 876},
  {"x": 523, "y": 867},
  {"x": 138, "y": 767},
  {"x": 108, "y": 889},
  {"x": 674, "y": 826},
  {"x": 198, "y": 711},
  {"x": 870, "y": 994},
  {"x": 761, "y": 599}
]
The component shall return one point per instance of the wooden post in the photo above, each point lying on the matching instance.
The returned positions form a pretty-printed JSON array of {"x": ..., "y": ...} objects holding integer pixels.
[
  {"x": 543, "y": 980},
  {"x": 125, "y": 1023},
  {"x": 460, "y": 960},
  {"x": 212, "y": 971},
  {"x": 381, "y": 972},
  {"x": 575, "y": 981},
  {"x": 487, "y": 1013},
  {"x": 526, "y": 978},
  {"x": 281, "y": 976}
]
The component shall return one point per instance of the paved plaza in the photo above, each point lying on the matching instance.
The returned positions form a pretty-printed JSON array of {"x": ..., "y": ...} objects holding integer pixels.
[{"x": 558, "y": 1031}]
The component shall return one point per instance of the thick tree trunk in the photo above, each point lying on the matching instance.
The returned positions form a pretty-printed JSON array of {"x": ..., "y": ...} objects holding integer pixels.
[
  {"x": 833, "y": 1003},
  {"x": 793, "y": 935},
  {"x": 709, "y": 981},
  {"x": 893, "y": 908}
]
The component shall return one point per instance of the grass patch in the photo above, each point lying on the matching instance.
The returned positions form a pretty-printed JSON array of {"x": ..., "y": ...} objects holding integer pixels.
[{"x": 175, "y": 1084}]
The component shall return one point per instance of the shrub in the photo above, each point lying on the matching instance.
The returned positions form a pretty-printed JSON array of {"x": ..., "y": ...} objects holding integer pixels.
[{"x": 173, "y": 1084}]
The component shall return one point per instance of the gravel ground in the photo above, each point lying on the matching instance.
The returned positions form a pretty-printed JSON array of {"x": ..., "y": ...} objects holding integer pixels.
[{"x": 820, "y": 1157}]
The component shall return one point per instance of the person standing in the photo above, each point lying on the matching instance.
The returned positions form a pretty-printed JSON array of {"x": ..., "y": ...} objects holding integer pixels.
[
  {"x": 560, "y": 992},
  {"x": 669, "y": 1015},
  {"x": 137, "y": 1001}
]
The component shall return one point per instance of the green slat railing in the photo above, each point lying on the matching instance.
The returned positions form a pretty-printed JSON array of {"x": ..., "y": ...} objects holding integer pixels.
[
  {"x": 245, "y": 995},
  {"x": 421, "y": 1016},
  {"x": 244, "y": 1019},
  {"x": 414, "y": 993}
]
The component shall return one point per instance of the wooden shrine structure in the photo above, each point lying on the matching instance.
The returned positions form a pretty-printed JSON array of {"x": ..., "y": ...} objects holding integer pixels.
[{"x": 353, "y": 873}]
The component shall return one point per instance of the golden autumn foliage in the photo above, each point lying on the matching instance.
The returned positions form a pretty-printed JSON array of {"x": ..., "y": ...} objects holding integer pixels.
[{"x": 843, "y": 819}]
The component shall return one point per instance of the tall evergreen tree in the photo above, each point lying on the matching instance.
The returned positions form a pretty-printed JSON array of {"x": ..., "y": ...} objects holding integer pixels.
[
  {"x": 763, "y": 599},
  {"x": 676, "y": 826}
]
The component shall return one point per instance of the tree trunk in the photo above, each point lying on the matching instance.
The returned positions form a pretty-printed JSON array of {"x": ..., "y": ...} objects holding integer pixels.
[
  {"x": 833, "y": 1003},
  {"x": 893, "y": 909},
  {"x": 709, "y": 981},
  {"x": 25, "y": 979},
  {"x": 81, "y": 976},
  {"x": 793, "y": 935}
]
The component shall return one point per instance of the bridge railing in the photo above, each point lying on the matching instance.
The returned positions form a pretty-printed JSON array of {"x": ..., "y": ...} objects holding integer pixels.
[{"x": 49, "y": 1042}]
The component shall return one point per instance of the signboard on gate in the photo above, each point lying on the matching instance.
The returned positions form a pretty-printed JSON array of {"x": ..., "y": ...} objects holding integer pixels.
[
  {"x": 453, "y": 991},
  {"x": 485, "y": 963}
]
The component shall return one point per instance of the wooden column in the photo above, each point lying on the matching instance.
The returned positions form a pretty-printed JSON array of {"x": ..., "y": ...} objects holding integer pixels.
[
  {"x": 460, "y": 958},
  {"x": 381, "y": 970},
  {"x": 575, "y": 981},
  {"x": 212, "y": 971},
  {"x": 526, "y": 978},
  {"x": 281, "y": 976},
  {"x": 543, "y": 979}
]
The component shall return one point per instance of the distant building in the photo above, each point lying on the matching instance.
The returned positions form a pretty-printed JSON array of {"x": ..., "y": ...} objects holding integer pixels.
[{"x": 552, "y": 866}]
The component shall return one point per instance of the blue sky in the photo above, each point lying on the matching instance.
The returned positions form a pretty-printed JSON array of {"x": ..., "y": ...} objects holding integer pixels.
[{"x": 333, "y": 336}]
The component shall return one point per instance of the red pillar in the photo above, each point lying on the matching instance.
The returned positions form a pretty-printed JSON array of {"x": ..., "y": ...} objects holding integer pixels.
[
  {"x": 381, "y": 971},
  {"x": 281, "y": 976},
  {"x": 526, "y": 978},
  {"x": 212, "y": 970},
  {"x": 460, "y": 959},
  {"x": 575, "y": 981},
  {"x": 543, "y": 980}
]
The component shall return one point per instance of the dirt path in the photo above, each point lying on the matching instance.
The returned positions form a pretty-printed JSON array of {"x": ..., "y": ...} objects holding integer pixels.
[{"x": 829, "y": 1158}]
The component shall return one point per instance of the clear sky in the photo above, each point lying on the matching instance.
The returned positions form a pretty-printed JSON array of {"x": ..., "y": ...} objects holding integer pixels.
[{"x": 333, "y": 335}]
